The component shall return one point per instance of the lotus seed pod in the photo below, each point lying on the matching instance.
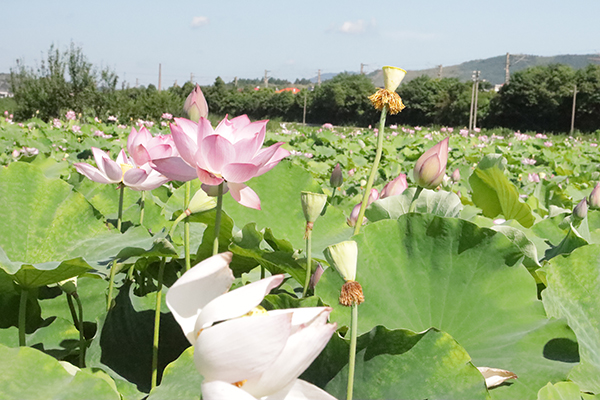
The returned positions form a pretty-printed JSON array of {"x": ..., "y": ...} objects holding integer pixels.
[
  {"x": 343, "y": 257},
  {"x": 312, "y": 205},
  {"x": 392, "y": 76}
]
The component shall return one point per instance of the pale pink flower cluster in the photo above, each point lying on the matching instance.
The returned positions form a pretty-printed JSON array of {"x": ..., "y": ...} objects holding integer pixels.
[
  {"x": 26, "y": 151},
  {"x": 409, "y": 131},
  {"x": 167, "y": 116},
  {"x": 76, "y": 128},
  {"x": 533, "y": 177},
  {"x": 112, "y": 118},
  {"x": 594, "y": 144},
  {"x": 71, "y": 115},
  {"x": 483, "y": 138},
  {"x": 548, "y": 144},
  {"x": 141, "y": 123},
  {"x": 464, "y": 132},
  {"x": 56, "y": 123},
  {"x": 394, "y": 126},
  {"x": 328, "y": 126},
  {"x": 418, "y": 128},
  {"x": 521, "y": 136},
  {"x": 528, "y": 161},
  {"x": 477, "y": 130},
  {"x": 541, "y": 136},
  {"x": 101, "y": 134}
]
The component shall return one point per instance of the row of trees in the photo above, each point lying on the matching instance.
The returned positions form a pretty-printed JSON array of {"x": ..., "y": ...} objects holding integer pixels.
[{"x": 538, "y": 98}]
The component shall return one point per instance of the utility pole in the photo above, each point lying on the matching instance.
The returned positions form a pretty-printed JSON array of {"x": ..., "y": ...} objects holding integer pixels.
[
  {"x": 266, "y": 78},
  {"x": 440, "y": 71},
  {"x": 137, "y": 82},
  {"x": 362, "y": 68},
  {"x": 159, "y": 77},
  {"x": 573, "y": 110},
  {"x": 507, "y": 69},
  {"x": 235, "y": 81},
  {"x": 319, "y": 78},
  {"x": 473, "y": 110},
  {"x": 304, "y": 113},
  {"x": 192, "y": 77}
]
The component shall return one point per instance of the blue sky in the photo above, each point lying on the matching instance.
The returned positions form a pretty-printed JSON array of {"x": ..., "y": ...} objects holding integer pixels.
[{"x": 291, "y": 39}]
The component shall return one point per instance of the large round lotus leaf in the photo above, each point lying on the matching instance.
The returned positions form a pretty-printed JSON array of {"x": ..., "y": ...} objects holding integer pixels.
[
  {"x": 573, "y": 288},
  {"x": 560, "y": 391},
  {"x": 400, "y": 364},
  {"x": 41, "y": 223},
  {"x": 279, "y": 192},
  {"x": 27, "y": 373},
  {"x": 180, "y": 380},
  {"x": 424, "y": 271}
]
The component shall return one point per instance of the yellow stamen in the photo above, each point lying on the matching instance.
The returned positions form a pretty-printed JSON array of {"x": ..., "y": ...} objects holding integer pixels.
[
  {"x": 240, "y": 383},
  {"x": 386, "y": 97},
  {"x": 125, "y": 168},
  {"x": 256, "y": 311}
]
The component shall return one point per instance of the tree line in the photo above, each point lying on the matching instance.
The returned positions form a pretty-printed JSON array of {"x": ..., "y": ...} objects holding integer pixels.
[{"x": 536, "y": 99}]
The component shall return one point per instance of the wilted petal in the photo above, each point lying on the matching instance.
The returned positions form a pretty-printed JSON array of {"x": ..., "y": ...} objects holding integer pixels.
[
  {"x": 495, "y": 377},
  {"x": 219, "y": 390},
  {"x": 241, "y": 348},
  {"x": 196, "y": 288},
  {"x": 175, "y": 169},
  {"x": 244, "y": 195},
  {"x": 237, "y": 302},
  {"x": 300, "y": 390}
]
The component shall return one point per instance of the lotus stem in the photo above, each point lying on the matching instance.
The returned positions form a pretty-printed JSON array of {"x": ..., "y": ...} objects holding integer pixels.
[
  {"x": 363, "y": 206},
  {"x": 218, "y": 220},
  {"x": 142, "y": 203},
  {"x": 22, "y": 316},
  {"x": 113, "y": 268},
  {"x": 81, "y": 336},
  {"x": 308, "y": 260},
  {"x": 161, "y": 271},
  {"x": 72, "y": 309},
  {"x": 413, "y": 202},
  {"x": 352, "y": 355},
  {"x": 186, "y": 226}
]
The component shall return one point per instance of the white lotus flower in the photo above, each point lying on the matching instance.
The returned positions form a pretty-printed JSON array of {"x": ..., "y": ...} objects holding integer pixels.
[{"x": 259, "y": 356}]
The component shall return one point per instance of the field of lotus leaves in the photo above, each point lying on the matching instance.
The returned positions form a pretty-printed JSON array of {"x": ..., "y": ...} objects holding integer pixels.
[{"x": 494, "y": 272}]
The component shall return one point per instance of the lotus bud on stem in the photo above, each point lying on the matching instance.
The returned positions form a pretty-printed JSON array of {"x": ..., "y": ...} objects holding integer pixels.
[
  {"x": 200, "y": 202},
  {"x": 594, "y": 201},
  {"x": 195, "y": 105},
  {"x": 312, "y": 206},
  {"x": 581, "y": 209}
]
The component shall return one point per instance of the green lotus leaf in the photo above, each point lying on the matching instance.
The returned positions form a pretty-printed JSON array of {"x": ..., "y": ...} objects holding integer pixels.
[
  {"x": 27, "y": 373},
  {"x": 560, "y": 391},
  {"x": 400, "y": 364},
  {"x": 180, "y": 380},
  {"x": 496, "y": 195},
  {"x": 572, "y": 286},
  {"x": 441, "y": 203},
  {"x": 423, "y": 271}
]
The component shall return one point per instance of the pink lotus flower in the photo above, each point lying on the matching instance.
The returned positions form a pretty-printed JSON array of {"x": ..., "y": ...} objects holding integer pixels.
[
  {"x": 124, "y": 170},
  {"x": 394, "y": 187},
  {"x": 353, "y": 219},
  {"x": 431, "y": 166},
  {"x": 195, "y": 105},
  {"x": 231, "y": 153},
  {"x": 143, "y": 147}
]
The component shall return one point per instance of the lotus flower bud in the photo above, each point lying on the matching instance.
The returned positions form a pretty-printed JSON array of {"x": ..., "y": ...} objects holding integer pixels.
[
  {"x": 312, "y": 205},
  {"x": 201, "y": 202},
  {"x": 392, "y": 76},
  {"x": 336, "y": 178},
  {"x": 455, "y": 175},
  {"x": 195, "y": 105},
  {"x": 374, "y": 195},
  {"x": 69, "y": 286},
  {"x": 594, "y": 202},
  {"x": 343, "y": 257},
  {"x": 394, "y": 187},
  {"x": 314, "y": 279},
  {"x": 581, "y": 209},
  {"x": 431, "y": 166}
]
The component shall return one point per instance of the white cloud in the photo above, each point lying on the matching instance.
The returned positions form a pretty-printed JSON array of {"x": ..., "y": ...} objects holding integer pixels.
[
  {"x": 354, "y": 27},
  {"x": 199, "y": 21}
]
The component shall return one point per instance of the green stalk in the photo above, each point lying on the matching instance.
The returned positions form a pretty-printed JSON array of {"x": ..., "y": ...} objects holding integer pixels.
[
  {"x": 72, "y": 309},
  {"x": 142, "y": 203},
  {"x": 161, "y": 271},
  {"x": 414, "y": 199},
  {"x": 113, "y": 268},
  {"x": 218, "y": 220},
  {"x": 186, "y": 227},
  {"x": 371, "y": 179},
  {"x": 352, "y": 356},
  {"x": 22, "y": 316},
  {"x": 80, "y": 327},
  {"x": 308, "y": 260}
]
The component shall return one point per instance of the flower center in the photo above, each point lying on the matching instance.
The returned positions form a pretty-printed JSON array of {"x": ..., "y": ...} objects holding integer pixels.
[
  {"x": 125, "y": 168},
  {"x": 256, "y": 311},
  {"x": 240, "y": 383}
]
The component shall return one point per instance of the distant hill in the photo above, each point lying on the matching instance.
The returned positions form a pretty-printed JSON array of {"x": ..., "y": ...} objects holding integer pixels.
[{"x": 492, "y": 69}]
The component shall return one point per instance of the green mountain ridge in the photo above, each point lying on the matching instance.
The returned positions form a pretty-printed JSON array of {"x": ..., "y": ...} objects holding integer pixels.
[{"x": 493, "y": 69}]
